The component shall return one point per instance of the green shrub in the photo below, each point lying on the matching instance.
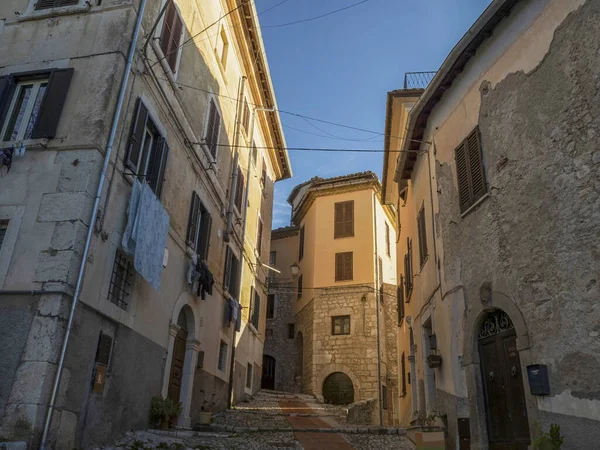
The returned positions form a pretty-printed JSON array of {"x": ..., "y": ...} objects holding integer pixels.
[{"x": 548, "y": 441}]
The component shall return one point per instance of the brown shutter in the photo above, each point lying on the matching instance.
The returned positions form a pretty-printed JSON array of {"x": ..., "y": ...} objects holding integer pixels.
[
  {"x": 462, "y": 175},
  {"x": 422, "y": 229},
  {"x": 478, "y": 186},
  {"x": 259, "y": 237},
  {"x": 175, "y": 40},
  {"x": 170, "y": 36},
  {"x": 193, "y": 221},
  {"x": 339, "y": 263},
  {"x": 348, "y": 266},
  {"x": 138, "y": 128},
  {"x": 204, "y": 236},
  {"x": 400, "y": 300},
  {"x": 227, "y": 268},
  {"x": 338, "y": 220},
  {"x": 239, "y": 190},
  {"x": 263, "y": 178},
  {"x": 212, "y": 130},
  {"x": 301, "y": 249},
  {"x": 7, "y": 88},
  {"x": 349, "y": 219},
  {"x": 234, "y": 286},
  {"x": 157, "y": 165},
  {"x": 52, "y": 104}
]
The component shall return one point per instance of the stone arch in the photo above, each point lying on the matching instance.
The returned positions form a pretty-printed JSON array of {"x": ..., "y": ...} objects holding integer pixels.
[
  {"x": 471, "y": 363},
  {"x": 338, "y": 389},
  {"x": 186, "y": 300},
  {"x": 331, "y": 368}
]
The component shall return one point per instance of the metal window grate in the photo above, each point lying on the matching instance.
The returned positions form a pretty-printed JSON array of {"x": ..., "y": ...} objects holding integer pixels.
[
  {"x": 418, "y": 80},
  {"x": 121, "y": 280}
]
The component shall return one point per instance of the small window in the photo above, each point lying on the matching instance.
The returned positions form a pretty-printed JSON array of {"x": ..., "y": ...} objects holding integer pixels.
[
  {"x": 249, "y": 376},
  {"x": 470, "y": 172},
  {"x": 422, "y": 231},
  {"x": 263, "y": 176},
  {"x": 291, "y": 330},
  {"x": 344, "y": 219},
  {"x": 254, "y": 153},
  {"x": 170, "y": 36},
  {"x": 255, "y": 316},
  {"x": 222, "y": 47},
  {"x": 400, "y": 300},
  {"x": 246, "y": 117},
  {"x": 199, "y": 225},
  {"x": 270, "y": 306},
  {"x": 384, "y": 395},
  {"x": 121, "y": 280},
  {"x": 299, "y": 287},
  {"x": 301, "y": 244},
  {"x": 47, "y": 4},
  {"x": 104, "y": 349},
  {"x": 387, "y": 239},
  {"x": 403, "y": 368},
  {"x": 3, "y": 229},
  {"x": 259, "y": 236},
  {"x": 340, "y": 325},
  {"x": 213, "y": 127},
  {"x": 343, "y": 266},
  {"x": 408, "y": 271},
  {"x": 148, "y": 150},
  {"x": 230, "y": 275},
  {"x": 239, "y": 190},
  {"x": 222, "y": 363}
]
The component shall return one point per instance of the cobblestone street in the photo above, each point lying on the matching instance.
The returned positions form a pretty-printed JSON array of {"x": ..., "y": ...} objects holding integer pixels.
[{"x": 273, "y": 421}]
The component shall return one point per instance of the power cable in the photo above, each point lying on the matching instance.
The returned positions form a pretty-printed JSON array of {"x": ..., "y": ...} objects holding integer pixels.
[
  {"x": 330, "y": 137},
  {"x": 312, "y": 149},
  {"x": 335, "y": 136},
  {"x": 316, "y": 17}
]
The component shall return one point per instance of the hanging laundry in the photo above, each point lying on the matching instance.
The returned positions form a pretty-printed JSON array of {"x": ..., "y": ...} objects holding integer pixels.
[
  {"x": 205, "y": 280},
  {"x": 6, "y": 157},
  {"x": 193, "y": 275},
  {"x": 129, "y": 235}
]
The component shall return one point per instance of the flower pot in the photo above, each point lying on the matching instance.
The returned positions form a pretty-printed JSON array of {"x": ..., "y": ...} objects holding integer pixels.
[
  {"x": 205, "y": 417},
  {"x": 164, "y": 423},
  {"x": 430, "y": 440}
]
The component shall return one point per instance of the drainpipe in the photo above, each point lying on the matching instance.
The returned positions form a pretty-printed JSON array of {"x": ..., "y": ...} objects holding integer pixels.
[
  {"x": 86, "y": 249},
  {"x": 34, "y": 292},
  {"x": 377, "y": 309},
  {"x": 236, "y": 158}
]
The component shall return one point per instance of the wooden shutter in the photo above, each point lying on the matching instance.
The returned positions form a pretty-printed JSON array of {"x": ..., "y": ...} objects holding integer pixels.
[
  {"x": 300, "y": 286},
  {"x": 259, "y": 237},
  {"x": 212, "y": 129},
  {"x": 104, "y": 349},
  {"x": 204, "y": 235},
  {"x": 263, "y": 177},
  {"x": 234, "y": 287},
  {"x": 343, "y": 266},
  {"x": 403, "y": 365},
  {"x": 408, "y": 270},
  {"x": 422, "y": 230},
  {"x": 156, "y": 165},
  {"x": 7, "y": 89},
  {"x": 400, "y": 300},
  {"x": 256, "y": 310},
  {"x": 301, "y": 247},
  {"x": 349, "y": 219},
  {"x": 227, "y": 268},
  {"x": 170, "y": 36},
  {"x": 138, "y": 128},
  {"x": 46, "y": 4},
  {"x": 478, "y": 185},
  {"x": 348, "y": 266},
  {"x": 462, "y": 174},
  {"x": 192, "y": 228},
  {"x": 344, "y": 219},
  {"x": 387, "y": 239},
  {"x": 239, "y": 190},
  {"x": 339, "y": 220},
  {"x": 52, "y": 104}
]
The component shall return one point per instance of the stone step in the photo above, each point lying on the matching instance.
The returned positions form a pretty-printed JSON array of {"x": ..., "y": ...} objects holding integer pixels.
[{"x": 341, "y": 430}]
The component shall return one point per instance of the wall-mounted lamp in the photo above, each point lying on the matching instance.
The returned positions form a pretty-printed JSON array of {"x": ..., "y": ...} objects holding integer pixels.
[{"x": 295, "y": 269}]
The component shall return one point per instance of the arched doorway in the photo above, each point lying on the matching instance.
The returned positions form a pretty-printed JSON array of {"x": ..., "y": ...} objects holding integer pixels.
[
  {"x": 298, "y": 361},
  {"x": 178, "y": 361},
  {"x": 338, "y": 389},
  {"x": 504, "y": 394},
  {"x": 268, "y": 373}
]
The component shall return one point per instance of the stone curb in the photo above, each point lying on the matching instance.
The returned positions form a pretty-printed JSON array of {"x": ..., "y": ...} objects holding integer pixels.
[{"x": 337, "y": 430}]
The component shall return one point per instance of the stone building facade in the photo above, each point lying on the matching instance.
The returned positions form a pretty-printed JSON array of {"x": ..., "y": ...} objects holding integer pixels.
[
  {"x": 342, "y": 313},
  {"x": 187, "y": 132},
  {"x": 506, "y": 170}
]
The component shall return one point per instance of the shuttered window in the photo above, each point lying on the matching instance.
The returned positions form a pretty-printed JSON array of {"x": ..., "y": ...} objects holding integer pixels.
[
  {"x": 170, "y": 36},
  {"x": 148, "y": 151},
  {"x": 344, "y": 219},
  {"x": 403, "y": 368},
  {"x": 263, "y": 176},
  {"x": 239, "y": 190},
  {"x": 343, "y": 266},
  {"x": 246, "y": 117},
  {"x": 199, "y": 225},
  {"x": 301, "y": 246},
  {"x": 408, "y": 271},
  {"x": 469, "y": 171},
  {"x": 256, "y": 309},
  {"x": 387, "y": 239},
  {"x": 259, "y": 237},
  {"x": 230, "y": 274},
  {"x": 222, "y": 361},
  {"x": 400, "y": 300},
  {"x": 249, "y": 376},
  {"x": 422, "y": 231},
  {"x": 299, "y": 287},
  {"x": 291, "y": 330},
  {"x": 270, "y": 306},
  {"x": 213, "y": 127},
  {"x": 46, "y": 4},
  {"x": 254, "y": 153}
]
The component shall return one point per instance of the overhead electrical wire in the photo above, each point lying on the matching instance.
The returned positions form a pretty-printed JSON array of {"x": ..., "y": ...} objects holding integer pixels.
[
  {"x": 316, "y": 17},
  {"x": 285, "y": 125},
  {"x": 314, "y": 149}
]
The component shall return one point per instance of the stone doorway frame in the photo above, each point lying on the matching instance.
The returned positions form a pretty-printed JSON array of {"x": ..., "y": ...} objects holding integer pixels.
[
  {"x": 471, "y": 365},
  {"x": 328, "y": 370}
]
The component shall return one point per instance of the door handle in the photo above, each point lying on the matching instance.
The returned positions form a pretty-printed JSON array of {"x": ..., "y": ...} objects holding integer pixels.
[
  {"x": 492, "y": 376},
  {"x": 513, "y": 371}
]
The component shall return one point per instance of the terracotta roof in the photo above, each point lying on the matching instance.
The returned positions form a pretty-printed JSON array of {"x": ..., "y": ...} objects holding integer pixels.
[
  {"x": 317, "y": 181},
  {"x": 283, "y": 232}
]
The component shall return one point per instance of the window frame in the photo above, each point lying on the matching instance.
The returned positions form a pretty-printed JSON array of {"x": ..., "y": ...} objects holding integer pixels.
[
  {"x": 301, "y": 237},
  {"x": 300, "y": 288},
  {"x": 213, "y": 156},
  {"x": 255, "y": 310},
  {"x": 408, "y": 270},
  {"x": 271, "y": 306},
  {"x": 291, "y": 327},
  {"x": 387, "y": 240},
  {"x": 259, "y": 235},
  {"x": 238, "y": 199},
  {"x": 422, "y": 235},
  {"x": 173, "y": 70},
  {"x": 124, "y": 280},
  {"x": 470, "y": 148},
  {"x": 340, "y": 227},
  {"x": 28, "y": 110},
  {"x": 224, "y": 50},
  {"x": 200, "y": 226},
  {"x": 344, "y": 319},
  {"x": 341, "y": 269},
  {"x": 231, "y": 285},
  {"x": 222, "y": 356}
]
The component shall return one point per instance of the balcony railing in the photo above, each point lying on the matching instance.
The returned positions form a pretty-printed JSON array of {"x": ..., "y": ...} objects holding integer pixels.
[{"x": 418, "y": 80}]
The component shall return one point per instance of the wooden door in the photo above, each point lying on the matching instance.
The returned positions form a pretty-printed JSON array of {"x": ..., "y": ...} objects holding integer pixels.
[
  {"x": 508, "y": 427},
  {"x": 268, "y": 372},
  {"x": 338, "y": 389},
  {"x": 177, "y": 365}
]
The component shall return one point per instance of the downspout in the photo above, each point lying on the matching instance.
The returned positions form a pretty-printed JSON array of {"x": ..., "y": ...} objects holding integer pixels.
[
  {"x": 435, "y": 255},
  {"x": 86, "y": 249},
  {"x": 377, "y": 300},
  {"x": 236, "y": 158}
]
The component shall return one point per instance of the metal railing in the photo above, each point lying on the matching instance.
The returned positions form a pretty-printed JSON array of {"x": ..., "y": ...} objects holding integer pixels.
[{"x": 418, "y": 80}]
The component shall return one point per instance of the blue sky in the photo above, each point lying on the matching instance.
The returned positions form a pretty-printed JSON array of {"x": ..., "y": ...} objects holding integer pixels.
[{"x": 339, "y": 68}]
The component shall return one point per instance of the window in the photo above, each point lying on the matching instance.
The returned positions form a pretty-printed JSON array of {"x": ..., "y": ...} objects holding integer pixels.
[
  {"x": 272, "y": 263},
  {"x": 148, "y": 150},
  {"x": 103, "y": 353},
  {"x": 249, "y": 376},
  {"x": 400, "y": 300},
  {"x": 222, "y": 362},
  {"x": 222, "y": 47},
  {"x": 469, "y": 171},
  {"x": 239, "y": 190},
  {"x": 422, "y": 230},
  {"x": 340, "y": 325},
  {"x": 403, "y": 367},
  {"x": 343, "y": 266},
  {"x": 170, "y": 36},
  {"x": 246, "y": 117},
  {"x": 259, "y": 236},
  {"x": 254, "y": 153},
  {"x": 270, "y": 306},
  {"x": 198, "y": 231},
  {"x": 33, "y": 104},
  {"x": 255, "y": 317},
  {"x": 291, "y": 331},
  {"x": 387, "y": 239},
  {"x": 301, "y": 245},
  {"x": 47, "y": 4},
  {"x": 344, "y": 219},
  {"x": 408, "y": 275},
  {"x": 263, "y": 176},
  {"x": 121, "y": 280},
  {"x": 384, "y": 399},
  {"x": 230, "y": 276},
  {"x": 299, "y": 287},
  {"x": 213, "y": 127},
  {"x": 3, "y": 228},
  {"x": 380, "y": 280}
]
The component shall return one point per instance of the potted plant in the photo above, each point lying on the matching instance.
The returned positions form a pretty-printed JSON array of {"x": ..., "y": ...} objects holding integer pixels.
[
  {"x": 173, "y": 411},
  {"x": 548, "y": 441},
  {"x": 158, "y": 413},
  {"x": 429, "y": 437},
  {"x": 205, "y": 414}
]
